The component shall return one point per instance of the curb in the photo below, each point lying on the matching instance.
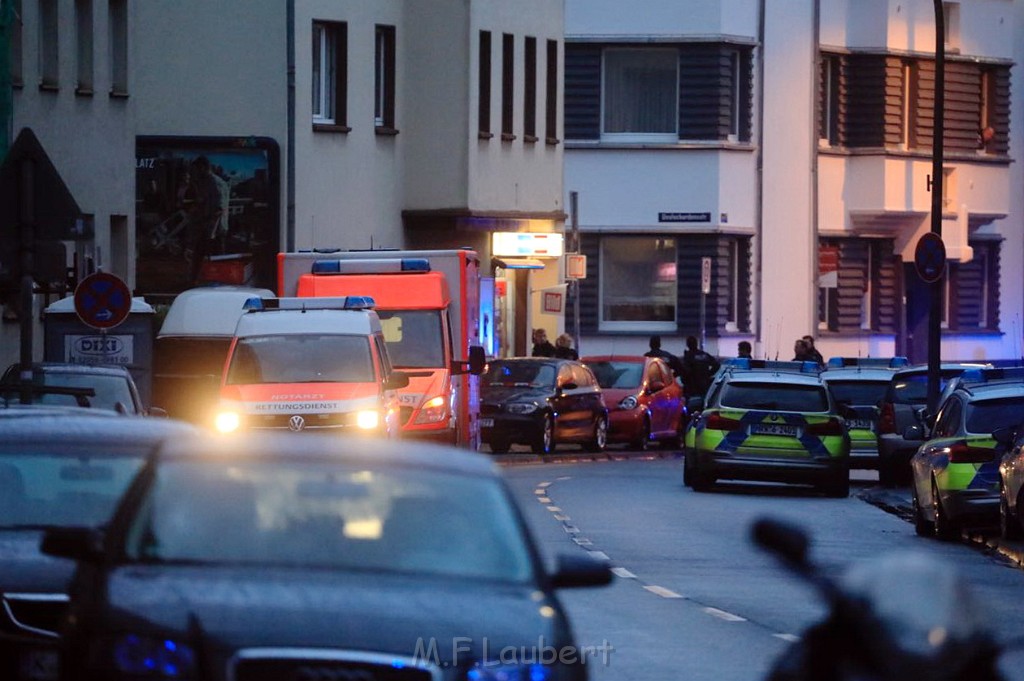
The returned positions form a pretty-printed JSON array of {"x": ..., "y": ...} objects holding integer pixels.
[{"x": 528, "y": 458}]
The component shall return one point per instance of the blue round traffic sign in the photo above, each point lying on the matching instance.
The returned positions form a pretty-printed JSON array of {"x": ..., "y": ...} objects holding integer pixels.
[
  {"x": 930, "y": 257},
  {"x": 102, "y": 300}
]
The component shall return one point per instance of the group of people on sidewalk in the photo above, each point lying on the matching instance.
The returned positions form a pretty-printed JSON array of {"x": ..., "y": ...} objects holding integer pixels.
[{"x": 696, "y": 367}]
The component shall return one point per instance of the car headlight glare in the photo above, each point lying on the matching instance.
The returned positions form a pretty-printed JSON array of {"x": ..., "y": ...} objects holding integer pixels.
[
  {"x": 510, "y": 672},
  {"x": 227, "y": 422},
  {"x": 628, "y": 402},
  {"x": 368, "y": 419},
  {"x": 433, "y": 410},
  {"x": 521, "y": 408},
  {"x": 154, "y": 658}
]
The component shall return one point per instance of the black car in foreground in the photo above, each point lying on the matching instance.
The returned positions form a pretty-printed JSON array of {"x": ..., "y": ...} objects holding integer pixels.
[
  {"x": 541, "y": 402},
  {"x": 110, "y": 387},
  {"x": 246, "y": 559},
  {"x": 59, "y": 467}
]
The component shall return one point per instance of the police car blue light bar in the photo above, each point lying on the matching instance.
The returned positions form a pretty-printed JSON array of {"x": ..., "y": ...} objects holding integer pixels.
[
  {"x": 772, "y": 365},
  {"x": 868, "y": 362},
  {"x": 371, "y": 266},
  {"x": 996, "y": 374},
  {"x": 337, "y": 303}
]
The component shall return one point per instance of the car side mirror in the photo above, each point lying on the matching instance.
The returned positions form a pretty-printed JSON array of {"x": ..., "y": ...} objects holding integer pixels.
[
  {"x": 1006, "y": 435},
  {"x": 655, "y": 386},
  {"x": 695, "y": 404},
  {"x": 83, "y": 544},
  {"x": 477, "y": 360},
  {"x": 913, "y": 433},
  {"x": 396, "y": 381},
  {"x": 157, "y": 411},
  {"x": 577, "y": 571}
]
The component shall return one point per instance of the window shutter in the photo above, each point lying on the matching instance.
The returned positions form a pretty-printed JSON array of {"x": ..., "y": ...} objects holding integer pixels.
[
  {"x": 582, "y": 92},
  {"x": 590, "y": 246},
  {"x": 853, "y": 277},
  {"x": 703, "y": 78},
  {"x": 888, "y": 290},
  {"x": 867, "y": 113}
]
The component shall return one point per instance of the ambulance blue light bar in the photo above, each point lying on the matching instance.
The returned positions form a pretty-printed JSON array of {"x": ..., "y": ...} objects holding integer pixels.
[
  {"x": 340, "y": 303},
  {"x": 772, "y": 365},
  {"x": 996, "y": 374},
  {"x": 868, "y": 362},
  {"x": 371, "y": 266}
]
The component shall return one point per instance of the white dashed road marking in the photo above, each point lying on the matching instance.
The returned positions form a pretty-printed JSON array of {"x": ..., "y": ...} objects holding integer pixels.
[
  {"x": 662, "y": 591},
  {"x": 544, "y": 484},
  {"x": 792, "y": 638},
  {"x": 623, "y": 573},
  {"x": 554, "y": 509},
  {"x": 544, "y": 500},
  {"x": 599, "y": 555},
  {"x": 723, "y": 615}
]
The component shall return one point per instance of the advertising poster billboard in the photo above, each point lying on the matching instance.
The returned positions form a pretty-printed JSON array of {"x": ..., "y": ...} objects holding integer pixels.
[{"x": 207, "y": 211}]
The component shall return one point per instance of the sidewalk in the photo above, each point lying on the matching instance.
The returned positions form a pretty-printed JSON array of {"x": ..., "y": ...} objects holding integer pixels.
[
  {"x": 897, "y": 501},
  {"x": 523, "y": 456}
]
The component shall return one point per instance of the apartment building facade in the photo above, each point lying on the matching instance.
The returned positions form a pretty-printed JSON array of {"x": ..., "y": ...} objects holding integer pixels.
[
  {"x": 305, "y": 124},
  {"x": 788, "y": 146}
]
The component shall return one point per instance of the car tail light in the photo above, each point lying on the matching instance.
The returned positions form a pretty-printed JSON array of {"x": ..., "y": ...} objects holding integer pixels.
[
  {"x": 964, "y": 453},
  {"x": 830, "y": 427},
  {"x": 887, "y": 419},
  {"x": 719, "y": 422}
]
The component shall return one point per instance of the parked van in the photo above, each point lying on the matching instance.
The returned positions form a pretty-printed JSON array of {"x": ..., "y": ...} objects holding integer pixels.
[
  {"x": 310, "y": 365},
  {"x": 191, "y": 347}
]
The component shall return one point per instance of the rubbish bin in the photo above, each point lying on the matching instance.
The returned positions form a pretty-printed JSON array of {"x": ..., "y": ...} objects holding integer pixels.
[{"x": 66, "y": 338}]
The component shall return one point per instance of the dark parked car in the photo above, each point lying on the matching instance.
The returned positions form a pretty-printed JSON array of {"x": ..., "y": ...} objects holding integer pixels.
[
  {"x": 904, "y": 406},
  {"x": 58, "y": 469},
  {"x": 645, "y": 402},
  {"x": 541, "y": 402},
  {"x": 113, "y": 387},
  {"x": 246, "y": 559}
]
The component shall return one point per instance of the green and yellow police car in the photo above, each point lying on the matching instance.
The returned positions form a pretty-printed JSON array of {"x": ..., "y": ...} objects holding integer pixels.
[
  {"x": 956, "y": 471},
  {"x": 768, "y": 421}
]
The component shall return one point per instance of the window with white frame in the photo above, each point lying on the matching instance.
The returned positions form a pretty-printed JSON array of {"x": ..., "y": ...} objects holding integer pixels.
[
  {"x": 909, "y": 105},
  {"x": 329, "y": 85},
  {"x": 951, "y": 19},
  {"x": 735, "y": 102},
  {"x": 638, "y": 283},
  {"x": 828, "y": 132},
  {"x": 384, "y": 78},
  {"x": 640, "y": 94}
]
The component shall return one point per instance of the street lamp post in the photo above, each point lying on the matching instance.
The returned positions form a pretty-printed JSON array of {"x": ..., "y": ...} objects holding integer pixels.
[{"x": 936, "y": 287}]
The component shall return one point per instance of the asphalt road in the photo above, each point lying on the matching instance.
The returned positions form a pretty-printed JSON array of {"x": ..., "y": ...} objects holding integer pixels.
[{"x": 694, "y": 599}]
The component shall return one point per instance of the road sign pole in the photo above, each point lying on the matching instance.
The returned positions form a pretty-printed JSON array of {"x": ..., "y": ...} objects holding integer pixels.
[
  {"x": 935, "y": 308},
  {"x": 575, "y": 226}
]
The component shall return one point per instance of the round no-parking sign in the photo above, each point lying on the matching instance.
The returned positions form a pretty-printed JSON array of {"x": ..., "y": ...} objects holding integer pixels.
[
  {"x": 930, "y": 257},
  {"x": 102, "y": 300}
]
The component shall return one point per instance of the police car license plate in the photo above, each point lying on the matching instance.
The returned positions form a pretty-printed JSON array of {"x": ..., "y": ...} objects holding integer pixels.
[
  {"x": 861, "y": 424},
  {"x": 486, "y": 423},
  {"x": 773, "y": 429}
]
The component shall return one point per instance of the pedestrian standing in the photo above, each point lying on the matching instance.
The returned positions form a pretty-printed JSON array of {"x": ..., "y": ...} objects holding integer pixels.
[
  {"x": 564, "y": 349},
  {"x": 699, "y": 368},
  {"x": 542, "y": 347}
]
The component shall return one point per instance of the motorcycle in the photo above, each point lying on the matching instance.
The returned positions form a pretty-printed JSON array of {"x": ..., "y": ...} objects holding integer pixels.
[{"x": 903, "y": 615}]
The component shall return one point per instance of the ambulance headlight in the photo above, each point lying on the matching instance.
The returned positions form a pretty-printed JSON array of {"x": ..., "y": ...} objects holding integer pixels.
[
  {"x": 227, "y": 422},
  {"x": 368, "y": 419},
  {"x": 433, "y": 410}
]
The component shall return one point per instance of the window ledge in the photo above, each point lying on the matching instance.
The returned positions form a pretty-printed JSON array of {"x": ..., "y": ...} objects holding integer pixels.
[
  {"x": 385, "y": 131},
  {"x": 507, "y": 137},
  {"x": 118, "y": 94},
  {"x": 484, "y": 135},
  {"x": 84, "y": 92},
  {"x": 331, "y": 127},
  {"x": 529, "y": 139},
  {"x": 552, "y": 141},
  {"x": 49, "y": 87},
  {"x": 955, "y": 155},
  {"x": 659, "y": 146}
]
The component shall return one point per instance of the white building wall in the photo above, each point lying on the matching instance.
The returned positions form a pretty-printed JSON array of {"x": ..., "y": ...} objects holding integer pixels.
[
  {"x": 788, "y": 243},
  {"x": 89, "y": 139},
  {"x": 670, "y": 18},
  {"x": 1011, "y": 287}
]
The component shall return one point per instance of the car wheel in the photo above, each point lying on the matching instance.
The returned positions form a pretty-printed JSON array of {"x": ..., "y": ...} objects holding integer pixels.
[
  {"x": 1009, "y": 526},
  {"x": 643, "y": 440},
  {"x": 545, "y": 442},
  {"x": 945, "y": 529},
  {"x": 499, "y": 446},
  {"x": 700, "y": 481},
  {"x": 922, "y": 526},
  {"x": 600, "y": 439}
]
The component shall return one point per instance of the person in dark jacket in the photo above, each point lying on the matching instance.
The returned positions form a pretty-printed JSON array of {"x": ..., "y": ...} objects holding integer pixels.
[
  {"x": 564, "y": 349},
  {"x": 699, "y": 367},
  {"x": 744, "y": 350},
  {"x": 812, "y": 352},
  {"x": 542, "y": 347},
  {"x": 656, "y": 351}
]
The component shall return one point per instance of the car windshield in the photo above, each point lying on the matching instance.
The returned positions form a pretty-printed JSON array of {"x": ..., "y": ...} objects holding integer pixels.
[
  {"x": 330, "y": 515},
  {"x": 858, "y": 393},
  {"x": 613, "y": 374},
  {"x": 775, "y": 396},
  {"x": 913, "y": 388},
  {"x": 110, "y": 391},
  {"x": 520, "y": 375},
  {"x": 414, "y": 337},
  {"x": 65, "y": 485},
  {"x": 985, "y": 416},
  {"x": 306, "y": 358}
]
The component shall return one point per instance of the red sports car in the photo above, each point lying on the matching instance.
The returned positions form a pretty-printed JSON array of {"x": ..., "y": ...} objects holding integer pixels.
[{"x": 645, "y": 401}]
